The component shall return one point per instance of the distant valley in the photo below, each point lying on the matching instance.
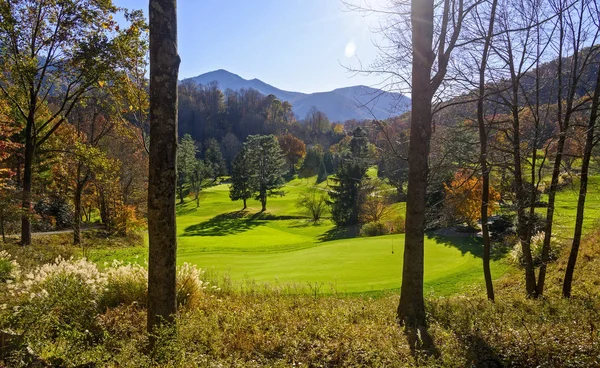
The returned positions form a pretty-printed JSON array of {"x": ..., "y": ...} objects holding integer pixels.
[{"x": 357, "y": 102}]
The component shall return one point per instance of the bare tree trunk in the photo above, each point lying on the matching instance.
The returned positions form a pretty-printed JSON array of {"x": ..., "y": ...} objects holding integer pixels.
[
  {"x": 411, "y": 309},
  {"x": 77, "y": 216},
  {"x": 164, "y": 68},
  {"x": 485, "y": 170},
  {"x": 587, "y": 154},
  {"x": 564, "y": 122},
  {"x": 2, "y": 225},
  {"x": 245, "y": 206},
  {"x": 27, "y": 171},
  {"x": 263, "y": 201}
]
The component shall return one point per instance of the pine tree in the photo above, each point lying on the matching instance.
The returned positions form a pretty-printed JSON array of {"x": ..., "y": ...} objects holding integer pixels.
[
  {"x": 268, "y": 165},
  {"x": 186, "y": 159},
  {"x": 214, "y": 159},
  {"x": 345, "y": 206},
  {"x": 241, "y": 178}
]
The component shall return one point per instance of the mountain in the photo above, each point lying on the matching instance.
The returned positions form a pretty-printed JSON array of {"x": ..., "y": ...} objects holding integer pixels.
[{"x": 357, "y": 102}]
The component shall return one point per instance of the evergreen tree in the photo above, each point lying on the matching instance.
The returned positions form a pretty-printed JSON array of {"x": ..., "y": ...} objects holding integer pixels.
[
  {"x": 241, "y": 178},
  {"x": 268, "y": 165},
  {"x": 186, "y": 159},
  {"x": 345, "y": 206},
  {"x": 312, "y": 161},
  {"x": 198, "y": 174},
  {"x": 214, "y": 159},
  {"x": 322, "y": 174}
]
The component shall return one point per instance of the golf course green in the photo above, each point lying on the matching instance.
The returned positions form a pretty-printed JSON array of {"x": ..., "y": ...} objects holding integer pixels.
[{"x": 283, "y": 246}]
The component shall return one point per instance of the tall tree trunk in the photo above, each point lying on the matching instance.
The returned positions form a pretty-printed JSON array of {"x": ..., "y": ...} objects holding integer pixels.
[
  {"x": 77, "y": 216},
  {"x": 27, "y": 177},
  {"x": 523, "y": 222},
  {"x": 263, "y": 201},
  {"x": 411, "y": 309},
  {"x": 245, "y": 206},
  {"x": 2, "y": 225},
  {"x": 181, "y": 196},
  {"x": 585, "y": 165},
  {"x": 162, "y": 181},
  {"x": 485, "y": 170}
]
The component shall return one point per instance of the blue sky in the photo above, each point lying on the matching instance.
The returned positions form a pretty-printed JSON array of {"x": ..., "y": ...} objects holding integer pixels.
[{"x": 297, "y": 45}]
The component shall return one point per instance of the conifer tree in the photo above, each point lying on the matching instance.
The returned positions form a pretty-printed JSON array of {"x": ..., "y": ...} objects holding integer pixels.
[{"x": 345, "y": 206}]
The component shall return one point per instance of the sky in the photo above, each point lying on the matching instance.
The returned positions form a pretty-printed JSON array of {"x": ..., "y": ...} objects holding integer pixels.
[{"x": 295, "y": 45}]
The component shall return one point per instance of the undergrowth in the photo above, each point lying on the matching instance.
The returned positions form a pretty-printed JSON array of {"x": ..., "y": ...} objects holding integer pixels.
[{"x": 70, "y": 322}]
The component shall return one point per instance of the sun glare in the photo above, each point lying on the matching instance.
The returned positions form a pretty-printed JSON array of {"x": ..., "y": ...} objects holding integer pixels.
[{"x": 350, "y": 49}]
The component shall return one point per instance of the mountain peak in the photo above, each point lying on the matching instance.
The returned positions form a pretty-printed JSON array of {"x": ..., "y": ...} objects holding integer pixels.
[{"x": 341, "y": 104}]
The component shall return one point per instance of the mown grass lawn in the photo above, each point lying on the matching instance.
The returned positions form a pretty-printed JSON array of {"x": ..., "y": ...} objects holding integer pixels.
[{"x": 283, "y": 246}]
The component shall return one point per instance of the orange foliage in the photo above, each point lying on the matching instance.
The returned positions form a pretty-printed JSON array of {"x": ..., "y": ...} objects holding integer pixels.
[
  {"x": 463, "y": 197},
  {"x": 293, "y": 148}
]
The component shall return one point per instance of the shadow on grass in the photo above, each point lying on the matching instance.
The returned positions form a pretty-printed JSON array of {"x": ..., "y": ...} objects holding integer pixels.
[
  {"x": 225, "y": 224},
  {"x": 233, "y": 223},
  {"x": 182, "y": 209},
  {"x": 421, "y": 344},
  {"x": 469, "y": 244},
  {"x": 340, "y": 233}
]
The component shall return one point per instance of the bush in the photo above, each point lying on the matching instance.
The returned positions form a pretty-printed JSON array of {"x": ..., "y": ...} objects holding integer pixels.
[
  {"x": 314, "y": 203},
  {"x": 374, "y": 229},
  {"x": 190, "y": 287},
  {"x": 9, "y": 268},
  {"x": 59, "y": 299},
  {"x": 54, "y": 212},
  {"x": 397, "y": 225},
  {"x": 125, "y": 284},
  {"x": 537, "y": 243},
  {"x": 502, "y": 226}
]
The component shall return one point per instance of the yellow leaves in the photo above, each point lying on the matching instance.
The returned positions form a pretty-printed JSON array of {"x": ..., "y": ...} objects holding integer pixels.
[
  {"x": 463, "y": 197},
  {"x": 101, "y": 84}
]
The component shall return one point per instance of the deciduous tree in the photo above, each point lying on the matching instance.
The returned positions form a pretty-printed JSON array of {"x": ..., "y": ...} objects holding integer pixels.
[{"x": 164, "y": 70}]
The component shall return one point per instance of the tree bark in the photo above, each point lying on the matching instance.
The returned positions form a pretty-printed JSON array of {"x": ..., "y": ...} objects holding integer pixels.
[
  {"x": 411, "y": 309},
  {"x": 27, "y": 171},
  {"x": 77, "y": 216},
  {"x": 585, "y": 165},
  {"x": 485, "y": 171},
  {"x": 245, "y": 206},
  {"x": 263, "y": 201},
  {"x": 2, "y": 225},
  {"x": 164, "y": 68}
]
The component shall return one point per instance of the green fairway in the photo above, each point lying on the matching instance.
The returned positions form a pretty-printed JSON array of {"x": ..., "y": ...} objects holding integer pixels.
[
  {"x": 565, "y": 208},
  {"x": 354, "y": 265},
  {"x": 282, "y": 246}
]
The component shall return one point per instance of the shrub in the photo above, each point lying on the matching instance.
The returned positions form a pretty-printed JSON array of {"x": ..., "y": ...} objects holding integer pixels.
[
  {"x": 502, "y": 226},
  {"x": 397, "y": 225},
  {"x": 59, "y": 299},
  {"x": 125, "y": 284},
  {"x": 314, "y": 203},
  {"x": 9, "y": 268},
  {"x": 190, "y": 287},
  {"x": 537, "y": 243},
  {"x": 374, "y": 229}
]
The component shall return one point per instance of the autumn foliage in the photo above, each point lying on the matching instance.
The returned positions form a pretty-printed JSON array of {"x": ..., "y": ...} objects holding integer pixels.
[{"x": 463, "y": 198}]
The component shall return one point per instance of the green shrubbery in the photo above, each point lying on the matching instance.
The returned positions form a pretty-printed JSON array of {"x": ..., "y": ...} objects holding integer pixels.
[
  {"x": 374, "y": 229},
  {"x": 71, "y": 313},
  {"x": 394, "y": 226},
  {"x": 537, "y": 244},
  {"x": 9, "y": 268}
]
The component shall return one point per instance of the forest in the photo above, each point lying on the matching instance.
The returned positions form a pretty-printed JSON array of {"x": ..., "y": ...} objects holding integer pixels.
[{"x": 149, "y": 221}]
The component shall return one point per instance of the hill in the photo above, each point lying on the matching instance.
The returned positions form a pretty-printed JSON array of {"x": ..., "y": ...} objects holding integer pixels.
[{"x": 356, "y": 102}]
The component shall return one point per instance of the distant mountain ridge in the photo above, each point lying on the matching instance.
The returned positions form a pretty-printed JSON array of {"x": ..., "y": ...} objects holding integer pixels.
[{"x": 357, "y": 102}]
